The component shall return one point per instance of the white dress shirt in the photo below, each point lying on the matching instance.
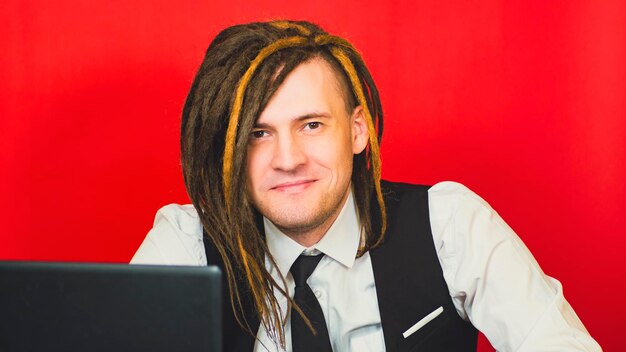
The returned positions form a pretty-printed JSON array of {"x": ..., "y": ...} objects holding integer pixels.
[{"x": 491, "y": 276}]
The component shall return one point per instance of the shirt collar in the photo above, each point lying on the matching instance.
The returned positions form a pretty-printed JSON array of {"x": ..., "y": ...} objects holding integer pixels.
[{"x": 340, "y": 242}]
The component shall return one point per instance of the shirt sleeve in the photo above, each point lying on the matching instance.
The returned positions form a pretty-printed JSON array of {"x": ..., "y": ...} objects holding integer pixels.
[
  {"x": 495, "y": 282},
  {"x": 175, "y": 238}
]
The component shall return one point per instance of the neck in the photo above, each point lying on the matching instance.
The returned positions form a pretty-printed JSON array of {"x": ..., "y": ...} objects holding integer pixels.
[{"x": 308, "y": 238}]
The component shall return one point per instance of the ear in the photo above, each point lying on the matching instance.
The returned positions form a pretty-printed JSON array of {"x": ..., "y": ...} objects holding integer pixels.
[{"x": 360, "y": 135}]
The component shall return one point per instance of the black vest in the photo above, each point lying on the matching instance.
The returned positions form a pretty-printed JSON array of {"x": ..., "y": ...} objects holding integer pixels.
[{"x": 409, "y": 282}]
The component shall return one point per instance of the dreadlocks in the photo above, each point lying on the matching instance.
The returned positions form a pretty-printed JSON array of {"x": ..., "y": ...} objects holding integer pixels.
[{"x": 242, "y": 69}]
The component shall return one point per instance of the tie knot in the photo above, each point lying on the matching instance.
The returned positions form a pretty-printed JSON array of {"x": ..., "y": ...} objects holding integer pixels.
[{"x": 303, "y": 267}]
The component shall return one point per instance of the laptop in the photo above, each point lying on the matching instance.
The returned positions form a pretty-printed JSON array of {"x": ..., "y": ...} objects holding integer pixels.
[{"x": 109, "y": 307}]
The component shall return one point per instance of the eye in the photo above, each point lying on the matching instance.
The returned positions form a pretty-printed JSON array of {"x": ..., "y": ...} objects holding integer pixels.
[
  {"x": 258, "y": 134},
  {"x": 312, "y": 125}
]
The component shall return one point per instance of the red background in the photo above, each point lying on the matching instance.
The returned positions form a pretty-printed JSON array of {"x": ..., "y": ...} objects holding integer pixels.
[{"x": 522, "y": 101}]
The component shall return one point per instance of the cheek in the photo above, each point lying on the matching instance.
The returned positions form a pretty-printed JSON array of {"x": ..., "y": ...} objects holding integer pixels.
[{"x": 333, "y": 153}]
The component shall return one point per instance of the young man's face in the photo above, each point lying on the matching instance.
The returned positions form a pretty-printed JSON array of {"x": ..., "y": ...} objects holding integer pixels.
[{"x": 300, "y": 151}]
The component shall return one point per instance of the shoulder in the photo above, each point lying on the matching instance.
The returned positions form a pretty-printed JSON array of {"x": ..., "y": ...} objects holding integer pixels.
[
  {"x": 454, "y": 194},
  {"x": 175, "y": 238},
  {"x": 469, "y": 233},
  {"x": 446, "y": 193},
  {"x": 458, "y": 217},
  {"x": 402, "y": 195},
  {"x": 183, "y": 217},
  {"x": 455, "y": 209},
  {"x": 400, "y": 188},
  {"x": 452, "y": 202}
]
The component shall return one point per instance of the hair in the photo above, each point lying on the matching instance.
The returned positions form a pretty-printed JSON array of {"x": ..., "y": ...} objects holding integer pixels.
[{"x": 243, "y": 67}]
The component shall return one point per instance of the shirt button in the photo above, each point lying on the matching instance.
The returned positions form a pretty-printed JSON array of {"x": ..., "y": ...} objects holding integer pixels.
[{"x": 318, "y": 293}]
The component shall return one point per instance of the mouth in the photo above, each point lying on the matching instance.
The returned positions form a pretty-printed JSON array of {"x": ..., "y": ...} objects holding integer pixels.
[{"x": 293, "y": 186}]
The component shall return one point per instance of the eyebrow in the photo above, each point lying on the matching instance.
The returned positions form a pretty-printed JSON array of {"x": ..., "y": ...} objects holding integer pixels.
[{"x": 311, "y": 115}]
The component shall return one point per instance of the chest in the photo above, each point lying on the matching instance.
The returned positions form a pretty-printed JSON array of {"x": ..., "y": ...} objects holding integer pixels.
[
  {"x": 398, "y": 285},
  {"x": 347, "y": 296}
]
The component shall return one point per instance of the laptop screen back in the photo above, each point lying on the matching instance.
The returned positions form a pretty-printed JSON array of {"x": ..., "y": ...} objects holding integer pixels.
[{"x": 109, "y": 307}]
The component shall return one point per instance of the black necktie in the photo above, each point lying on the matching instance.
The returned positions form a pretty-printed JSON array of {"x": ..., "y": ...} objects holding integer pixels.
[{"x": 302, "y": 339}]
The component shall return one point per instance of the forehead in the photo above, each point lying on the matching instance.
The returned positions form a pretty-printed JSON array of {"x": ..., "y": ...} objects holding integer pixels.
[{"x": 312, "y": 87}]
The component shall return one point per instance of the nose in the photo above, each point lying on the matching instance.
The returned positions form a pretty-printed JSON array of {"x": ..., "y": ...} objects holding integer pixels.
[{"x": 288, "y": 154}]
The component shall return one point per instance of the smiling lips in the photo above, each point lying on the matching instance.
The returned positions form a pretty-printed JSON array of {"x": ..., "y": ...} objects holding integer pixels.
[{"x": 293, "y": 186}]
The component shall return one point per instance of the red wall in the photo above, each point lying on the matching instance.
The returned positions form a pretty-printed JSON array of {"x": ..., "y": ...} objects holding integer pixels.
[{"x": 523, "y": 101}]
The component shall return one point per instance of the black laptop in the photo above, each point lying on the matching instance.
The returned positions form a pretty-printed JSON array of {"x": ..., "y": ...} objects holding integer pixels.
[{"x": 109, "y": 307}]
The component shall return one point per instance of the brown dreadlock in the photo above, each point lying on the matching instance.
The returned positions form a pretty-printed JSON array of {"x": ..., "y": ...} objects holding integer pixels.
[{"x": 232, "y": 87}]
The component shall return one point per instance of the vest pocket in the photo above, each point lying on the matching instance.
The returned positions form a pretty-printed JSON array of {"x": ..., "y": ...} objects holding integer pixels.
[{"x": 414, "y": 341}]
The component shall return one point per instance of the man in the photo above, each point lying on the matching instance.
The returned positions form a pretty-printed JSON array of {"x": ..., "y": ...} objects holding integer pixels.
[{"x": 279, "y": 141}]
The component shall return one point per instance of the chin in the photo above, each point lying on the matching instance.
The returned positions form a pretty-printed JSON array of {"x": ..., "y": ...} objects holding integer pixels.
[{"x": 292, "y": 217}]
